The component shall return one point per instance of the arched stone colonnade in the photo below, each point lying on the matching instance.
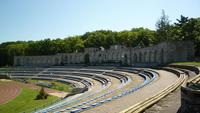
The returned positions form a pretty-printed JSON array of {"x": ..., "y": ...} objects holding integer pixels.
[
  {"x": 149, "y": 56},
  {"x": 154, "y": 55}
]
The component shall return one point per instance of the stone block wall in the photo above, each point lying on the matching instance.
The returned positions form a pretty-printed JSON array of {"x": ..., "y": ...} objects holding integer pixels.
[
  {"x": 162, "y": 53},
  {"x": 190, "y": 100}
]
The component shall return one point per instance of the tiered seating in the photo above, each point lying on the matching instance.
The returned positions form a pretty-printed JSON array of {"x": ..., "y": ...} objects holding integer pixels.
[{"x": 86, "y": 77}]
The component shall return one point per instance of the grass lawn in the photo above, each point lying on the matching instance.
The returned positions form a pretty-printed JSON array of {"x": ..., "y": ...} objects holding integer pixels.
[
  {"x": 25, "y": 102},
  {"x": 56, "y": 85},
  {"x": 188, "y": 63}
]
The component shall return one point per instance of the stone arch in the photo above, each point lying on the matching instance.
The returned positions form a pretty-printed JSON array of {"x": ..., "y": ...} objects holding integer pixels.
[
  {"x": 70, "y": 59},
  {"x": 76, "y": 58},
  {"x": 43, "y": 62},
  {"x": 46, "y": 61},
  {"x": 162, "y": 56},
  {"x": 145, "y": 57},
  {"x": 119, "y": 56},
  {"x": 140, "y": 57},
  {"x": 150, "y": 54},
  {"x": 132, "y": 58},
  {"x": 104, "y": 57},
  {"x": 18, "y": 62},
  {"x": 94, "y": 57},
  {"x": 26, "y": 61},
  {"x": 87, "y": 58},
  {"x": 135, "y": 57},
  {"x": 125, "y": 59},
  {"x": 38, "y": 61},
  {"x": 155, "y": 56},
  {"x": 66, "y": 59},
  {"x": 97, "y": 58},
  {"x": 113, "y": 55},
  {"x": 110, "y": 56},
  {"x": 56, "y": 61}
]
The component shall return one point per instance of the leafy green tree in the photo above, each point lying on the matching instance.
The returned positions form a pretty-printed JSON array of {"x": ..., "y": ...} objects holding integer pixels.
[
  {"x": 182, "y": 21},
  {"x": 191, "y": 31},
  {"x": 178, "y": 28},
  {"x": 103, "y": 38},
  {"x": 74, "y": 44},
  {"x": 144, "y": 37},
  {"x": 162, "y": 26}
]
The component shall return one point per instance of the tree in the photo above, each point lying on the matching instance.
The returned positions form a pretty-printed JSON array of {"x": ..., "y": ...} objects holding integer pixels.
[
  {"x": 191, "y": 31},
  {"x": 178, "y": 30},
  {"x": 99, "y": 38},
  {"x": 74, "y": 44},
  {"x": 162, "y": 26},
  {"x": 42, "y": 94},
  {"x": 144, "y": 37},
  {"x": 188, "y": 29},
  {"x": 182, "y": 21}
]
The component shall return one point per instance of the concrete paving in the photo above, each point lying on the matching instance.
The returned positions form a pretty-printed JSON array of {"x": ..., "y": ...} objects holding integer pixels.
[
  {"x": 169, "y": 104},
  {"x": 165, "y": 79}
]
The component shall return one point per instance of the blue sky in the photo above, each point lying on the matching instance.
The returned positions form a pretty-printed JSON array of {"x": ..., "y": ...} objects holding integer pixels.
[{"x": 40, "y": 19}]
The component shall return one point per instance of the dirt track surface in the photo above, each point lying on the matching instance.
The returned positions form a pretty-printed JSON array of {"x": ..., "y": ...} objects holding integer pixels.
[
  {"x": 8, "y": 91},
  {"x": 165, "y": 79},
  {"x": 11, "y": 89}
]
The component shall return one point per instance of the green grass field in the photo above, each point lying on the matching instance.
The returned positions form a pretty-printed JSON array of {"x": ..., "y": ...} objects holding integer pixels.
[
  {"x": 25, "y": 102},
  {"x": 188, "y": 63},
  {"x": 56, "y": 85}
]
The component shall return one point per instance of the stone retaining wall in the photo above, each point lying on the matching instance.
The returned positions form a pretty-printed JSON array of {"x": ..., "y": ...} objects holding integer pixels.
[
  {"x": 162, "y": 53},
  {"x": 190, "y": 100}
]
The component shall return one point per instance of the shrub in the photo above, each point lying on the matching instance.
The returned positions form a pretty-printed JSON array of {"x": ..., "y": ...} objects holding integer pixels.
[{"x": 42, "y": 94}]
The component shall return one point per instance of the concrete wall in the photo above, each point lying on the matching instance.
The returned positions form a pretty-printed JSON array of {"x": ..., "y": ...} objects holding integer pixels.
[{"x": 162, "y": 53}]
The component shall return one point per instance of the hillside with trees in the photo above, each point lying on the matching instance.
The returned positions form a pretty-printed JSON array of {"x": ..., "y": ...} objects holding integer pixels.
[{"x": 184, "y": 28}]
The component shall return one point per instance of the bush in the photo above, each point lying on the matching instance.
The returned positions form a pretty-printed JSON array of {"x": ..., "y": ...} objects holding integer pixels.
[{"x": 42, "y": 94}]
